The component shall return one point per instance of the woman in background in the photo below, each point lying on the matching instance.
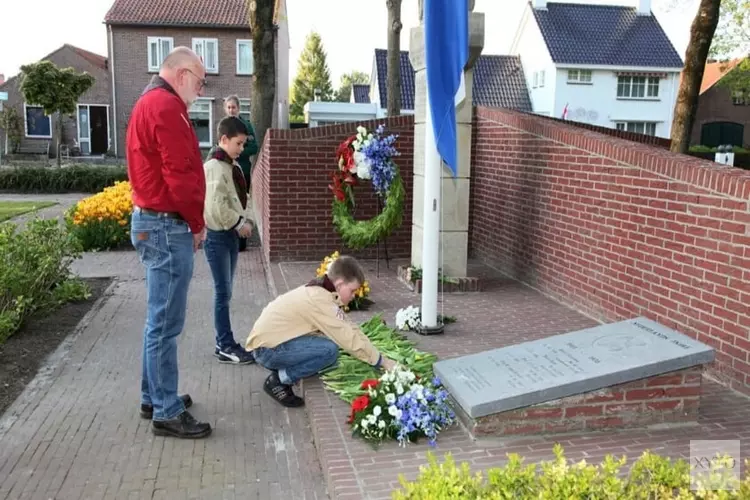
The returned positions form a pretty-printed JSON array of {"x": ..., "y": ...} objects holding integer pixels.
[{"x": 232, "y": 108}]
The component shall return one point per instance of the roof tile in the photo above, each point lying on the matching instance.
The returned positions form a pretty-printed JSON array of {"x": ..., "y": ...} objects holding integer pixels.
[
  {"x": 196, "y": 13},
  {"x": 498, "y": 81},
  {"x": 361, "y": 93},
  {"x": 605, "y": 35}
]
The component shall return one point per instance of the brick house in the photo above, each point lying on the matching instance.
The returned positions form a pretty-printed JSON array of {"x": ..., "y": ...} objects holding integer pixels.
[
  {"x": 140, "y": 33},
  {"x": 88, "y": 130},
  {"x": 721, "y": 117}
]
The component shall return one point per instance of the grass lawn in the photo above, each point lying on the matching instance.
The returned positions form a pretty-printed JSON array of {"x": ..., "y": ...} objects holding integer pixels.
[{"x": 10, "y": 209}]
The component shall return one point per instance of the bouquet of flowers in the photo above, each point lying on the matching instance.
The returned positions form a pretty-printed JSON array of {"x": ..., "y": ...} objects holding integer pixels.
[
  {"x": 400, "y": 406},
  {"x": 409, "y": 318},
  {"x": 366, "y": 156},
  {"x": 360, "y": 301}
]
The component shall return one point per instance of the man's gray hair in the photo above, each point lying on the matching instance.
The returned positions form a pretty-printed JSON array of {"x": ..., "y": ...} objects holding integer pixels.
[{"x": 179, "y": 58}]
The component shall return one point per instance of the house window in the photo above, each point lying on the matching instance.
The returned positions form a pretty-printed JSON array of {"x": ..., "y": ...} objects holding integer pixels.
[
  {"x": 637, "y": 87},
  {"x": 201, "y": 116},
  {"x": 38, "y": 125},
  {"x": 647, "y": 128},
  {"x": 158, "y": 49},
  {"x": 536, "y": 79},
  {"x": 579, "y": 76},
  {"x": 208, "y": 50},
  {"x": 245, "y": 57},
  {"x": 245, "y": 109},
  {"x": 541, "y": 78},
  {"x": 739, "y": 98}
]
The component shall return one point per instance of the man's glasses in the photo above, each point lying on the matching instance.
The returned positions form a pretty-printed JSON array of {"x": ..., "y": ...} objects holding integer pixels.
[{"x": 202, "y": 81}]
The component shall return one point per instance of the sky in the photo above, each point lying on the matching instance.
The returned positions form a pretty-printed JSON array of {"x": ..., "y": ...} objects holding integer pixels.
[{"x": 350, "y": 29}]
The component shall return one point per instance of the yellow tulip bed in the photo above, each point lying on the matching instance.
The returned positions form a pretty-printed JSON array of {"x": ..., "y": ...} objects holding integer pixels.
[{"x": 102, "y": 221}]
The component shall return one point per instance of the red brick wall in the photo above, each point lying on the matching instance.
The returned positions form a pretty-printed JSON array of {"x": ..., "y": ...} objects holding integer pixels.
[
  {"x": 616, "y": 229},
  {"x": 669, "y": 398},
  {"x": 292, "y": 198}
]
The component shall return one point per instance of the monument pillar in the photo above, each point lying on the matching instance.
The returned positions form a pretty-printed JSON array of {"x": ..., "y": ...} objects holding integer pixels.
[{"x": 454, "y": 220}]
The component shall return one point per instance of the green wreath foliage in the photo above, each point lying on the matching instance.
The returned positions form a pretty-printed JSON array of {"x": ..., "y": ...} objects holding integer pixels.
[{"x": 366, "y": 233}]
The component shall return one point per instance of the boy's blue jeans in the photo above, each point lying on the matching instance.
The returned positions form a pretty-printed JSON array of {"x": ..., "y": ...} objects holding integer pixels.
[
  {"x": 221, "y": 249},
  {"x": 165, "y": 248},
  {"x": 298, "y": 358}
]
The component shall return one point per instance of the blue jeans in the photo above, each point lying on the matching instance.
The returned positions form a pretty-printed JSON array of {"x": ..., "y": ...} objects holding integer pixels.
[
  {"x": 221, "y": 249},
  {"x": 298, "y": 358},
  {"x": 165, "y": 248}
]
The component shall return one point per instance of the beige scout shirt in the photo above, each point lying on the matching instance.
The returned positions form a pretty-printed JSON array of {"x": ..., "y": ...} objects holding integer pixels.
[
  {"x": 222, "y": 210},
  {"x": 310, "y": 310}
]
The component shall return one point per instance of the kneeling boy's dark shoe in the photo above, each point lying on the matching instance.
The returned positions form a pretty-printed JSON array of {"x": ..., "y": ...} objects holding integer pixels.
[
  {"x": 281, "y": 392},
  {"x": 182, "y": 426},
  {"x": 147, "y": 411}
]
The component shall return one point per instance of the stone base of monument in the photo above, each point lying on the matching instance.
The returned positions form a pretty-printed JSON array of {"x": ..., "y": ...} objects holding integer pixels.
[
  {"x": 452, "y": 285},
  {"x": 672, "y": 398},
  {"x": 634, "y": 373}
]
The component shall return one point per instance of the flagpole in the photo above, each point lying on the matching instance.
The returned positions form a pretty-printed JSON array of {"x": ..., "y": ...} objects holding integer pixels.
[{"x": 431, "y": 220}]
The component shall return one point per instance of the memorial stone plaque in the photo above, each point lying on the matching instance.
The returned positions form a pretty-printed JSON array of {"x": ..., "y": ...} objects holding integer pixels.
[{"x": 565, "y": 365}]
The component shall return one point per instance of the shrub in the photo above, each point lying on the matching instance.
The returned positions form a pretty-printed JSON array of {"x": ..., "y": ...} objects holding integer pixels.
[
  {"x": 35, "y": 271},
  {"x": 101, "y": 221},
  {"x": 73, "y": 179},
  {"x": 650, "y": 477}
]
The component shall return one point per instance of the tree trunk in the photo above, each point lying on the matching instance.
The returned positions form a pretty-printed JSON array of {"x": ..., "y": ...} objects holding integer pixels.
[
  {"x": 264, "y": 72},
  {"x": 394, "y": 57},
  {"x": 59, "y": 138},
  {"x": 701, "y": 34}
]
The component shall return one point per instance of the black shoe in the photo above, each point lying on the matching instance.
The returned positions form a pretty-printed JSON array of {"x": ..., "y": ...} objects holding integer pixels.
[
  {"x": 243, "y": 244},
  {"x": 147, "y": 411},
  {"x": 235, "y": 355},
  {"x": 182, "y": 426},
  {"x": 281, "y": 392}
]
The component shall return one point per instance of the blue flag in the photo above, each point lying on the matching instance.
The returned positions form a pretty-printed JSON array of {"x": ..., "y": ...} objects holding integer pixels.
[{"x": 446, "y": 41}]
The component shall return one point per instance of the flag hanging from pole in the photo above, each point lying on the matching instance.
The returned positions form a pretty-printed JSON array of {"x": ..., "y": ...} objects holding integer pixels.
[{"x": 446, "y": 41}]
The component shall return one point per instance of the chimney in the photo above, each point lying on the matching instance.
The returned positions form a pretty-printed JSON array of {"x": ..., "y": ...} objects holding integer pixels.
[
  {"x": 643, "y": 7},
  {"x": 539, "y": 4}
]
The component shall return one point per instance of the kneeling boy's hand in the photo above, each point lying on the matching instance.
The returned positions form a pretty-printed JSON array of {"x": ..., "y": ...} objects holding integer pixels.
[{"x": 387, "y": 364}]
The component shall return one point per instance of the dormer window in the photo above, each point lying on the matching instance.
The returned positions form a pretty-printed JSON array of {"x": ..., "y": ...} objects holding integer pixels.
[{"x": 579, "y": 76}]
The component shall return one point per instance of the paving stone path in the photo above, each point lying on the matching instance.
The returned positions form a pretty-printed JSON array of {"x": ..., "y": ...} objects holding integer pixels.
[{"x": 76, "y": 433}]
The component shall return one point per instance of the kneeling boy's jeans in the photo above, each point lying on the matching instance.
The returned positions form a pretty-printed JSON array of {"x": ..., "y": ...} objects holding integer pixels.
[
  {"x": 298, "y": 358},
  {"x": 165, "y": 248}
]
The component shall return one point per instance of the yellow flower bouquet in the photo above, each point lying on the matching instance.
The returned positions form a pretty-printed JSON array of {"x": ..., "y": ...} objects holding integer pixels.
[
  {"x": 102, "y": 221},
  {"x": 361, "y": 300}
]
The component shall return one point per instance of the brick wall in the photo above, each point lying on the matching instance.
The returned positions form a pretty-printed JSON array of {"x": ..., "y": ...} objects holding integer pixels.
[
  {"x": 129, "y": 56},
  {"x": 670, "y": 398},
  {"x": 616, "y": 229},
  {"x": 292, "y": 198},
  {"x": 716, "y": 105}
]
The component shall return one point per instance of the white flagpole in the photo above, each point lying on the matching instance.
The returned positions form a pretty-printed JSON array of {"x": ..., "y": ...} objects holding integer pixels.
[{"x": 431, "y": 219}]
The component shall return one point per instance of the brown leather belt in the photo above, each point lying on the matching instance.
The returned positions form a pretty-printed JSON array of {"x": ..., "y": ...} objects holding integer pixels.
[{"x": 155, "y": 213}]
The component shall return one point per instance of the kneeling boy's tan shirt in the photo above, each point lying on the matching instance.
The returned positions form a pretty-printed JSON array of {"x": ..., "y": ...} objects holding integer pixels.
[{"x": 310, "y": 310}]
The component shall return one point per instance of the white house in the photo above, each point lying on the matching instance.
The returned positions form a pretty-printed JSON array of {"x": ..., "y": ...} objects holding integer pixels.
[{"x": 605, "y": 65}]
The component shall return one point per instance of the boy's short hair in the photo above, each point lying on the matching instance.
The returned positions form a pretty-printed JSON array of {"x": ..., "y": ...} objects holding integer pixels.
[
  {"x": 348, "y": 269},
  {"x": 231, "y": 126}
]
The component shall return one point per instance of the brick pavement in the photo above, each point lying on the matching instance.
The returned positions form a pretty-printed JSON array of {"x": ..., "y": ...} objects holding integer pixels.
[
  {"x": 505, "y": 313},
  {"x": 75, "y": 432}
]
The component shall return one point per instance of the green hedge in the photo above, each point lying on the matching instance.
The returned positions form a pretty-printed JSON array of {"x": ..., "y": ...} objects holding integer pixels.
[
  {"x": 650, "y": 477},
  {"x": 72, "y": 179},
  {"x": 35, "y": 271}
]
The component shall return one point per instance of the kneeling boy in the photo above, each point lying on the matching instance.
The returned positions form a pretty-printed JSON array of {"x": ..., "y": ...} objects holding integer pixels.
[{"x": 299, "y": 333}]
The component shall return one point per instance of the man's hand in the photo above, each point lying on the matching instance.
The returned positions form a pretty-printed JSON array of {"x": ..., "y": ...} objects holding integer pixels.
[
  {"x": 246, "y": 230},
  {"x": 198, "y": 239},
  {"x": 387, "y": 363}
]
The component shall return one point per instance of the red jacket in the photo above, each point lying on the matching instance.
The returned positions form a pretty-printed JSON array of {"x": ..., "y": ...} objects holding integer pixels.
[{"x": 165, "y": 167}]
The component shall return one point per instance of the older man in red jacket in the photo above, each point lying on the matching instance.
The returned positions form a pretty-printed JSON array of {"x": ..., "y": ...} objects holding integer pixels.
[{"x": 166, "y": 174}]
